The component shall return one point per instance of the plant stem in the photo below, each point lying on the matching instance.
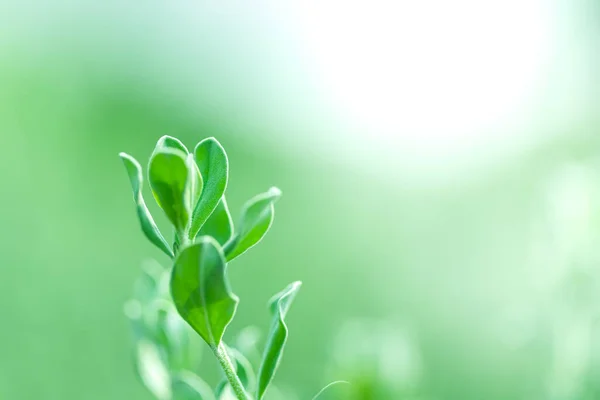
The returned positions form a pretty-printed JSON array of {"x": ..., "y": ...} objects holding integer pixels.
[{"x": 237, "y": 386}]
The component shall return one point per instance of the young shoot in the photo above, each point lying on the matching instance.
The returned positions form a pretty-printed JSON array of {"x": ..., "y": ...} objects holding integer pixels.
[{"x": 191, "y": 301}]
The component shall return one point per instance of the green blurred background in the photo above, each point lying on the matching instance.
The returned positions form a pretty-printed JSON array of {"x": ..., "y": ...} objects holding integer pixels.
[{"x": 440, "y": 168}]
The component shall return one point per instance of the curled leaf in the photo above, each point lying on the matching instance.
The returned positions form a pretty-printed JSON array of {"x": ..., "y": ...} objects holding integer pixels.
[
  {"x": 279, "y": 306},
  {"x": 214, "y": 168},
  {"x": 219, "y": 225},
  {"x": 201, "y": 291},
  {"x": 257, "y": 218},
  {"x": 168, "y": 174},
  {"x": 134, "y": 170}
]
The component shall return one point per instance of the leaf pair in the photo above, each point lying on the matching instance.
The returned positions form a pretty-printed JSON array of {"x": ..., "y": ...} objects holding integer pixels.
[{"x": 188, "y": 187}]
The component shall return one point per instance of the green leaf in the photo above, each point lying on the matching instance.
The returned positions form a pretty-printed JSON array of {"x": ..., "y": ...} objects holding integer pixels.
[
  {"x": 168, "y": 175},
  {"x": 201, "y": 291},
  {"x": 188, "y": 386},
  {"x": 134, "y": 170},
  {"x": 214, "y": 168},
  {"x": 219, "y": 225},
  {"x": 279, "y": 306},
  {"x": 196, "y": 183},
  {"x": 257, "y": 218},
  {"x": 152, "y": 371}
]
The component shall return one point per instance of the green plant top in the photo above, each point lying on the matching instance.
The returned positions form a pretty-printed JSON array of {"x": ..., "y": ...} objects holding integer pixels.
[{"x": 174, "y": 306}]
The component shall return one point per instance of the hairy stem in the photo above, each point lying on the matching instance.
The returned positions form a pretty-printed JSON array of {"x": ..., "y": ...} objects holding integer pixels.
[{"x": 221, "y": 354}]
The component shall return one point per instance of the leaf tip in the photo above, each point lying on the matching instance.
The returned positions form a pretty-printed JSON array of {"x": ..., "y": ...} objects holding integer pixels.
[
  {"x": 208, "y": 140},
  {"x": 275, "y": 192},
  {"x": 164, "y": 138},
  {"x": 170, "y": 142},
  {"x": 294, "y": 286},
  {"x": 286, "y": 295},
  {"x": 132, "y": 165},
  {"x": 126, "y": 157}
]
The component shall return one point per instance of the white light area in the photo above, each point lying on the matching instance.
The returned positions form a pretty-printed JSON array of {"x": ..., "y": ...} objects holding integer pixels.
[
  {"x": 422, "y": 90},
  {"x": 432, "y": 84}
]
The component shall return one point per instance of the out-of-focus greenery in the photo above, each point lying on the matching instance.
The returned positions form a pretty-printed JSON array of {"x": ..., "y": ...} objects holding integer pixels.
[{"x": 480, "y": 287}]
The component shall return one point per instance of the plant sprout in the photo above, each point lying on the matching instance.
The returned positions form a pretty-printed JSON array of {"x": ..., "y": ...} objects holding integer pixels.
[{"x": 174, "y": 308}]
